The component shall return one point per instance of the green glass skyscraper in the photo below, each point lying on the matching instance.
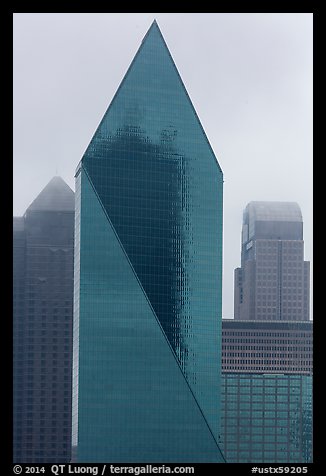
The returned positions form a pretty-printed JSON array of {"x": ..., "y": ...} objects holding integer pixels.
[{"x": 148, "y": 275}]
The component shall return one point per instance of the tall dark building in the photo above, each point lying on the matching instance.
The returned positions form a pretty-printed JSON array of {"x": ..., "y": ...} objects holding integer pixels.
[
  {"x": 267, "y": 348},
  {"x": 273, "y": 281},
  {"x": 43, "y": 241},
  {"x": 148, "y": 275}
]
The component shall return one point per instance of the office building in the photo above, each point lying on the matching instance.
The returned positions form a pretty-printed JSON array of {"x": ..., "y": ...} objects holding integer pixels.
[
  {"x": 267, "y": 417},
  {"x": 267, "y": 354},
  {"x": 42, "y": 326},
  {"x": 267, "y": 391},
  {"x": 273, "y": 281},
  {"x": 262, "y": 346},
  {"x": 148, "y": 271}
]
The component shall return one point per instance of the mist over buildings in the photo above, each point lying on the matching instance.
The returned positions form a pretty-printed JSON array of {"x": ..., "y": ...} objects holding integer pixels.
[{"x": 249, "y": 77}]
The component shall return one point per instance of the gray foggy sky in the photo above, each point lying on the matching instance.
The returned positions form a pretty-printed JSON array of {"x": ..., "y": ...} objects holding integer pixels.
[{"x": 249, "y": 76}]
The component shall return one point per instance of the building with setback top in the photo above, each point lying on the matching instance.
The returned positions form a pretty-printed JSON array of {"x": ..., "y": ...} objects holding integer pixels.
[
  {"x": 273, "y": 281},
  {"x": 267, "y": 348}
]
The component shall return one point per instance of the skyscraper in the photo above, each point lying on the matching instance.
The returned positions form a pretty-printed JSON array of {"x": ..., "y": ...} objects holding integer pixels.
[
  {"x": 266, "y": 418},
  {"x": 42, "y": 326},
  {"x": 273, "y": 281},
  {"x": 148, "y": 271},
  {"x": 267, "y": 348}
]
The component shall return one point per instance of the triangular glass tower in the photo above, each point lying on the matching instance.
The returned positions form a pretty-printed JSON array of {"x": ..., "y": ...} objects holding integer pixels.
[{"x": 148, "y": 275}]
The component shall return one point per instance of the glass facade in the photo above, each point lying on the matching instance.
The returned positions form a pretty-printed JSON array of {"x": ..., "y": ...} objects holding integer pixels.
[
  {"x": 267, "y": 418},
  {"x": 43, "y": 251},
  {"x": 267, "y": 349},
  {"x": 148, "y": 271}
]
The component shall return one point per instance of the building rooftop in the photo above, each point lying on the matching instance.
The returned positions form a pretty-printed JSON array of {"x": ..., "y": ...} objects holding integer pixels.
[
  {"x": 55, "y": 196},
  {"x": 274, "y": 211}
]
